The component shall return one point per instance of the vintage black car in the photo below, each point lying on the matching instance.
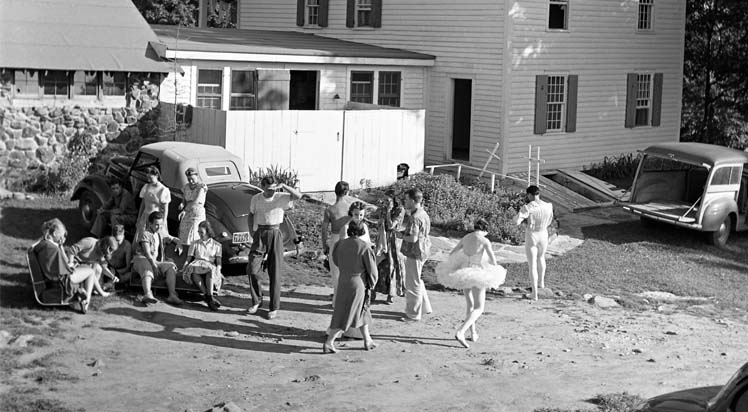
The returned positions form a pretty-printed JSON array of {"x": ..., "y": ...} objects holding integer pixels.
[{"x": 227, "y": 202}]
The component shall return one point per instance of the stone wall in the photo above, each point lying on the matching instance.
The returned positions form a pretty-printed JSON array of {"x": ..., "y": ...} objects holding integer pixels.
[{"x": 34, "y": 137}]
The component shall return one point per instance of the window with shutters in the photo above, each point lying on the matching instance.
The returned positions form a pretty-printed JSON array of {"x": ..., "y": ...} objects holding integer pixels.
[
  {"x": 363, "y": 13},
  {"x": 362, "y": 87},
  {"x": 56, "y": 83},
  {"x": 643, "y": 99},
  {"x": 85, "y": 83},
  {"x": 209, "y": 89},
  {"x": 312, "y": 12},
  {"x": 645, "y": 17},
  {"x": 389, "y": 89},
  {"x": 243, "y": 90},
  {"x": 556, "y": 104},
  {"x": 558, "y": 14}
]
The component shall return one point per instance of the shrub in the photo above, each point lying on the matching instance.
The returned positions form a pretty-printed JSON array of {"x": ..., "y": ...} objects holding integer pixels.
[
  {"x": 70, "y": 169},
  {"x": 453, "y": 206},
  {"x": 281, "y": 175},
  {"x": 619, "y": 170}
]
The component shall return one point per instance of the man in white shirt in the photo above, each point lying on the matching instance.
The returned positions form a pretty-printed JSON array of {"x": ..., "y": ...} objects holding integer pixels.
[
  {"x": 266, "y": 212},
  {"x": 538, "y": 215}
]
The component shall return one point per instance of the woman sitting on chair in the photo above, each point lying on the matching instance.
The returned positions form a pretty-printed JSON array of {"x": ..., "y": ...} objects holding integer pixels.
[{"x": 56, "y": 267}]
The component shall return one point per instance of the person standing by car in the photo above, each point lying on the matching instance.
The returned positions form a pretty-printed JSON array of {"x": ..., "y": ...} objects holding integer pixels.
[
  {"x": 335, "y": 217},
  {"x": 118, "y": 210},
  {"x": 266, "y": 211},
  {"x": 416, "y": 246},
  {"x": 155, "y": 198},
  {"x": 538, "y": 215},
  {"x": 192, "y": 208}
]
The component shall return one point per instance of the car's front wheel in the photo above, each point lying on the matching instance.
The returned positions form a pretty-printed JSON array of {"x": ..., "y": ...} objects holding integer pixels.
[
  {"x": 88, "y": 205},
  {"x": 719, "y": 237}
]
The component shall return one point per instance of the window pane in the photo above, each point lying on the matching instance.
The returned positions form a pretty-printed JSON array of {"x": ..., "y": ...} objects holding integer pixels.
[
  {"x": 389, "y": 89},
  {"x": 56, "y": 83},
  {"x": 242, "y": 81},
  {"x": 362, "y": 87},
  {"x": 556, "y": 103},
  {"x": 312, "y": 12},
  {"x": 645, "y": 15},
  {"x": 27, "y": 82},
  {"x": 85, "y": 83},
  {"x": 363, "y": 13},
  {"x": 558, "y": 14},
  {"x": 209, "y": 88},
  {"x": 643, "y": 93},
  {"x": 114, "y": 83}
]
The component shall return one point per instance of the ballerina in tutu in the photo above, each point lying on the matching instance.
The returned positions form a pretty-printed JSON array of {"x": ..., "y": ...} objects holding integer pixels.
[{"x": 473, "y": 269}]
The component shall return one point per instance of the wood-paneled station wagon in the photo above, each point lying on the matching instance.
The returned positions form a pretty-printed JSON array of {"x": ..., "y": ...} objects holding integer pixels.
[
  {"x": 693, "y": 185},
  {"x": 227, "y": 201}
]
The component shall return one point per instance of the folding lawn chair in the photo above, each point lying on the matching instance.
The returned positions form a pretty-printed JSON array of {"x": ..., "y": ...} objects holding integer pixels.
[{"x": 43, "y": 293}]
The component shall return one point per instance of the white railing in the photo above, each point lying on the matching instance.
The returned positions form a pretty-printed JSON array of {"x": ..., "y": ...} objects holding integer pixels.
[{"x": 461, "y": 166}]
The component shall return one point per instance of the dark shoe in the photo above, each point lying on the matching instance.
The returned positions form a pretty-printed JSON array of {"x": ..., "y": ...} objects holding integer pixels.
[
  {"x": 213, "y": 306},
  {"x": 390, "y": 300},
  {"x": 149, "y": 299}
]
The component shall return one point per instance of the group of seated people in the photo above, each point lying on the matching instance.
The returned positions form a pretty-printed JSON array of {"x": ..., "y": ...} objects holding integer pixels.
[{"x": 79, "y": 269}]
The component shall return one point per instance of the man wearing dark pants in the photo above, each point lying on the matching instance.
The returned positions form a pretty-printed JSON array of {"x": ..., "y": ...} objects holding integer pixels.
[{"x": 266, "y": 211}]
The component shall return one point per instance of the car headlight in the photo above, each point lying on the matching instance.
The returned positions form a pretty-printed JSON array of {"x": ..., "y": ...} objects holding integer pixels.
[{"x": 224, "y": 235}]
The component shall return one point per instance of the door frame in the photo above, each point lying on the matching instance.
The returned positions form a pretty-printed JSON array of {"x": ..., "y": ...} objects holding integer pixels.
[{"x": 449, "y": 112}]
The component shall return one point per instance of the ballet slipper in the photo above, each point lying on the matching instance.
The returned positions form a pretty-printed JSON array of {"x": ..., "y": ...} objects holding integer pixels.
[
  {"x": 329, "y": 348},
  {"x": 461, "y": 338}
]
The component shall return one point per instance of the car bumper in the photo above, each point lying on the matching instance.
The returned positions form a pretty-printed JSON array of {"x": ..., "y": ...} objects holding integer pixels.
[
  {"x": 243, "y": 257},
  {"x": 668, "y": 220}
]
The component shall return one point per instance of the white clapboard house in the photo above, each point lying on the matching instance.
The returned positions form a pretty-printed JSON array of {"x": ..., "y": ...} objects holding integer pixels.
[{"x": 582, "y": 79}]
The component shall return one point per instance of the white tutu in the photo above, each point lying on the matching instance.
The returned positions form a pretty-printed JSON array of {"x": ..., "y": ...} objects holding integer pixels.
[{"x": 460, "y": 271}]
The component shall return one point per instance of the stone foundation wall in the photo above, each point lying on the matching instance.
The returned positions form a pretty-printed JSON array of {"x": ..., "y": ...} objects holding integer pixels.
[{"x": 34, "y": 137}]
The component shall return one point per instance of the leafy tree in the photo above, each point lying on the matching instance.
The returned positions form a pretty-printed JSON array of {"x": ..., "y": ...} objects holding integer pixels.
[
  {"x": 715, "y": 85},
  {"x": 221, "y": 13}
]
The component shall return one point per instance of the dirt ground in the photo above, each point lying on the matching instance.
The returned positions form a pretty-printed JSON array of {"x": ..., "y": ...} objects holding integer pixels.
[{"x": 552, "y": 353}]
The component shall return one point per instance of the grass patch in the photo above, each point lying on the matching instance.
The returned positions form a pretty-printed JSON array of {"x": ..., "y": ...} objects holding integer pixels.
[
  {"x": 30, "y": 401},
  {"x": 628, "y": 258},
  {"x": 47, "y": 376}
]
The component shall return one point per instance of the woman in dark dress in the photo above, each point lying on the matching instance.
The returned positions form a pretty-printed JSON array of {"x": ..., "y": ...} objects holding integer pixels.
[
  {"x": 358, "y": 274},
  {"x": 391, "y": 269}
]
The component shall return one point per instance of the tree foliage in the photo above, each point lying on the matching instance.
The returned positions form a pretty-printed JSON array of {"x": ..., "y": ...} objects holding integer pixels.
[
  {"x": 715, "y": 85},
  {"x": 221, "y": 13}
]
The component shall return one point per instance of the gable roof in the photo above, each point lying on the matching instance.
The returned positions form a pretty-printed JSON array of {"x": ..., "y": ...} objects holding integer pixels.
[
  {"x": 90, "y": 35},
  {"x": 281, "y": 45}
]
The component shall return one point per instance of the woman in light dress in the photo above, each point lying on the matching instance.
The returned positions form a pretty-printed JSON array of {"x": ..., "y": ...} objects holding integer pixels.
[
  {"x": 471, "y": 267},
  {"x": 203, "y": 266},
  {"x": 155, "y": 198},
  {"x": 192, "y": 207}
]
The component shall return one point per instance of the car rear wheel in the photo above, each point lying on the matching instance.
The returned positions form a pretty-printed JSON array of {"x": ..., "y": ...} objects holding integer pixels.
[
  {"x": 88, "y": 205},
  {"x": 719, "y": 237}
]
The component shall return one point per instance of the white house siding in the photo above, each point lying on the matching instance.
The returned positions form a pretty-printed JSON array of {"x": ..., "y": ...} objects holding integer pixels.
[
  {"x": 333, "y": 80},
  {"x": 465, "y": 36},
  {"x": 601, "y": 47}
]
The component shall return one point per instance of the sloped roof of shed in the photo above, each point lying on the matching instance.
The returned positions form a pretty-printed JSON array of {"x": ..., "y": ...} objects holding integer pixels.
[
  {"x": 90, "y": 35},
  {"x": 273, "y": 42}
]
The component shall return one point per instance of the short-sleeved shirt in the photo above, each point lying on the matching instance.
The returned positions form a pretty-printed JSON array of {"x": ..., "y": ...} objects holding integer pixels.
[
  {"x": 153, "y": 243},
  {"x": 269, "y": 211},
  {"x": 418, "y": 223},
  {"x": 154, "y": 195},
  {"x": 207, "y": 250},
  {"x": 538, "y": 214}
]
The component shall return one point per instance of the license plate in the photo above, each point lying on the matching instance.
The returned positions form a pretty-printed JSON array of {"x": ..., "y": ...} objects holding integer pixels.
[{"x": 241, "y": 237}]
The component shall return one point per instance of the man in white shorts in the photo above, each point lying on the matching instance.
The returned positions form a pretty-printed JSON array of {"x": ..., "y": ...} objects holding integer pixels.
[{"x": 538, "y": 215}]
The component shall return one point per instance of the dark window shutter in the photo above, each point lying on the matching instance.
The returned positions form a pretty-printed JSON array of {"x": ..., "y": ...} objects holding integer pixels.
[
  {"x": 376, "y": 13},
  {"x": 541, "y": 101},
  {"x": 657, "y": 99},
  {"x": 324, "y": 7},
  {"x": 350, "y": 13},
  {"x": 300, "y": 4},
  {"x": 630, "y": 100},
  {"x": 571, "y": 102}
]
